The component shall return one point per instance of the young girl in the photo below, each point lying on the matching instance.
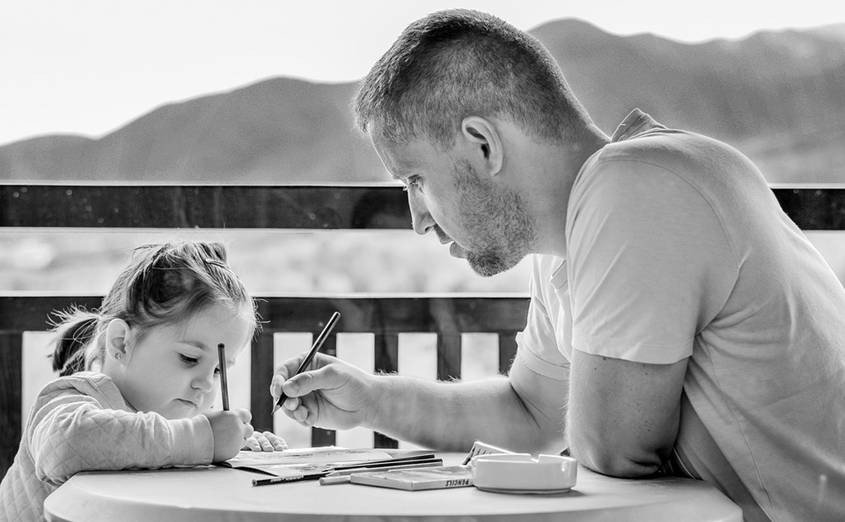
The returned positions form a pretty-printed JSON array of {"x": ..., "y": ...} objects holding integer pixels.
[{"x": 138, "y": 377}]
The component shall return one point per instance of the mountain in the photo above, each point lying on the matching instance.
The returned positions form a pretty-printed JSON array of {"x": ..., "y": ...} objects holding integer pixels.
[
  {"x": 276, "y": 130},
  {"x": 777, "y": 96}
]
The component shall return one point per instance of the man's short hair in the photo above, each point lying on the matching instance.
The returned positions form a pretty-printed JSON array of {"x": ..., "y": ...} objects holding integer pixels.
[{"x": 457, "y": 63}]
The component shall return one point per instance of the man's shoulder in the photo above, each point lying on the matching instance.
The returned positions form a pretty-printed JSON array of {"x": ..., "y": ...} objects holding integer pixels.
[
  {"x": 670, "y": 148},
  {"x": 710, "y": 166}
]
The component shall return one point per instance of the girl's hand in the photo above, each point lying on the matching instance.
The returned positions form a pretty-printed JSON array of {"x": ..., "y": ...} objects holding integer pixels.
[
  {"x": 265, "y": 441},
  {"x": 230, "y": 429}
]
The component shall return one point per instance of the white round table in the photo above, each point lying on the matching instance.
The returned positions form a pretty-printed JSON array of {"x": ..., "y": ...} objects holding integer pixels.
[{"x": 215, "y": 494}]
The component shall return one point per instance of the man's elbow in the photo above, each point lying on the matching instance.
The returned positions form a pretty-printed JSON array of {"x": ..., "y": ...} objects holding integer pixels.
[{"x": 615, "y": 460}]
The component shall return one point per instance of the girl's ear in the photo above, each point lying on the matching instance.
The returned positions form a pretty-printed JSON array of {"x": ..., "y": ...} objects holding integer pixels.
[{"x": 117, "y": 333}]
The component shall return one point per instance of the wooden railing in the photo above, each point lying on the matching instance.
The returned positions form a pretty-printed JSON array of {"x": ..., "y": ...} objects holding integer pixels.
[{"x": 386, "y": 317}]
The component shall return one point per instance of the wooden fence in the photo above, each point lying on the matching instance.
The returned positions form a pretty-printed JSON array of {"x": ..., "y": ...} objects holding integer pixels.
[{"x": 384, "y": 320}]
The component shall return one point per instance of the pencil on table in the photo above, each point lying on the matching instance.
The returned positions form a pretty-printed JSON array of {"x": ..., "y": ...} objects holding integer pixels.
[{"x": 224, "y": 385}]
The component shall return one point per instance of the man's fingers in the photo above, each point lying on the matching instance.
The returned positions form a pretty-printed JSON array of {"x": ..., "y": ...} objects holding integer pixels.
[
  {"x": 307, "y": 412},
  {"x": 307, "y": 382},
  {"x": 276, "y": 386}
]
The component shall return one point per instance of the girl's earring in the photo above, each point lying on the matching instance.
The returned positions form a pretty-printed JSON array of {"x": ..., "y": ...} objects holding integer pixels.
[{"x": 117, "y": 355}]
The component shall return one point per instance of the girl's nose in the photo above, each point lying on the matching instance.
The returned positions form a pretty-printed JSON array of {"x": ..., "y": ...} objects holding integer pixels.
[{"x": 204, "y": 382}]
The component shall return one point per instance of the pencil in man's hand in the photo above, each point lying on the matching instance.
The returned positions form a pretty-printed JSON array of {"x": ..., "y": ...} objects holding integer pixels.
[
  {"x": 310, "y": 355},
  {"x": 224, "y": 384}
]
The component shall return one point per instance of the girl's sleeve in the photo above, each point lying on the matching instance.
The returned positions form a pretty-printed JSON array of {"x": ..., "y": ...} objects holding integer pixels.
[{"x": 72, "y": 432}]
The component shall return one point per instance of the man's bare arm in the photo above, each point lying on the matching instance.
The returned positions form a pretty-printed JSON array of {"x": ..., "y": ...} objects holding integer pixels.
[
  {"x": 623, "y": 415},
  {"x": 524, "y": 412}
]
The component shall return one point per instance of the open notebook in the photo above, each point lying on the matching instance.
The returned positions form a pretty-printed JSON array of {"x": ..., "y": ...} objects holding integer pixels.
[{"x": 313, "y": 463}]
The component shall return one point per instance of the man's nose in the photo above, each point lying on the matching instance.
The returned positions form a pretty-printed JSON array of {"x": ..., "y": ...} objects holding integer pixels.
[{"x": 420, "y": 217}]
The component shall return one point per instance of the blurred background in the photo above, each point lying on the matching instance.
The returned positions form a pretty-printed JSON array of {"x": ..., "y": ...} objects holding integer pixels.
[{"x": 257, "y": 92}]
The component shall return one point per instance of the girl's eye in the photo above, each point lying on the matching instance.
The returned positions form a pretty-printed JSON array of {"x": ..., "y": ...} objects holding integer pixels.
[{"x": 188, "y": 360}]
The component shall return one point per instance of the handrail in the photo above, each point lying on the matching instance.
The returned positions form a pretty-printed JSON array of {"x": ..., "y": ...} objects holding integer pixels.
[{"x": 318, "y": 207}]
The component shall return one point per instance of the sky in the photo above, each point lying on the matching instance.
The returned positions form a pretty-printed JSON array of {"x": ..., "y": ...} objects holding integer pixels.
[{"x": 90, "y": 66}]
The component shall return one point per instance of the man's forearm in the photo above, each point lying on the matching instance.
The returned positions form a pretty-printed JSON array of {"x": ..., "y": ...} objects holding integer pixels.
[{"x": 451, "y": 416}]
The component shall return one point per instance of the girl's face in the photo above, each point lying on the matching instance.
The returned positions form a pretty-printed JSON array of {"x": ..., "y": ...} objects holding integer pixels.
[{"x": 173, "y": 369}]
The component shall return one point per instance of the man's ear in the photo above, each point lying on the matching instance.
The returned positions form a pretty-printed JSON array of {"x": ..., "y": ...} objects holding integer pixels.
[
  {"x": 117, "y": 333},
  {"x": 482, "y": 134}
]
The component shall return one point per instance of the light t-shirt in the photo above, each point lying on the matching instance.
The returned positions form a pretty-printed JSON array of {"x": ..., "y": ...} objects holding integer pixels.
[{"x": 677, "y": 248}]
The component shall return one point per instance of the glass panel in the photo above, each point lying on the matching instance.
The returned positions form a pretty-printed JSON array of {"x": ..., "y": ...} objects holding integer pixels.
[{"x": 269, "y": 261}]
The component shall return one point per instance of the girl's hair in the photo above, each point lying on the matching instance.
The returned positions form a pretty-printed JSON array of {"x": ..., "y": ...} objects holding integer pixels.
[{"x": 162, "y": 284}]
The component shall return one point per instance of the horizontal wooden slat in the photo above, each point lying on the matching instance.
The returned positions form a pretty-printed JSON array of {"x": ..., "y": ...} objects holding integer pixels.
[
  {"x": 285, "y": 207},
  {"x": 380, "y": 315},
  {"x": 819, "y": 208},
  {"x": 203, "y": 206}
]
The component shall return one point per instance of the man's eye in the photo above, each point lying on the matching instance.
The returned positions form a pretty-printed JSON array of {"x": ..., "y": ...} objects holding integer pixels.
[{"x": 188, "y": 360}]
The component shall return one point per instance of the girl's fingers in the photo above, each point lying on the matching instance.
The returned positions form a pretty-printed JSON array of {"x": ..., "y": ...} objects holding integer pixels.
[
  {"x": 252, "y": 445},
  {"x": 276, "y": 443}
]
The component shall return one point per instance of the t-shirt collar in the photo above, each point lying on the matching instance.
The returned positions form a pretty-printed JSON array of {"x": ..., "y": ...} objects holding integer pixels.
[{"x": 634, "y": 123}]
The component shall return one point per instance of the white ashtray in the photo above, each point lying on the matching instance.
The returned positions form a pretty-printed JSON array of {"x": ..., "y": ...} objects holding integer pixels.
[{"x": 522, "y": 473}]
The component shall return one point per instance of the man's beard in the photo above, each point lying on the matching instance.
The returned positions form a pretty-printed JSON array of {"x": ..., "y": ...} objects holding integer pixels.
[{"x": 500, "y": 229}]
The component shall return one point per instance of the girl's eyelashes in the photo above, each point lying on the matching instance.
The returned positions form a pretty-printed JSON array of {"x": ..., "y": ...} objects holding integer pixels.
[{"x": 188, "y": 360}]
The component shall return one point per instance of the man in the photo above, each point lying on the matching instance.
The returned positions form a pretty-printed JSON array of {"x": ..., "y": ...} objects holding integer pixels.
[{"x": 679, "y": 321}]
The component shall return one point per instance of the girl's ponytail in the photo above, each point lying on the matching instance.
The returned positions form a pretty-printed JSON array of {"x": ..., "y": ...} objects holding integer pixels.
[{"x": 75, "y": 330}]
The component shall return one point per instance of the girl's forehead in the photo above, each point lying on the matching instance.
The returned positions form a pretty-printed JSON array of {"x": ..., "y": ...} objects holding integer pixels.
[{"x": 216, "y": 323}]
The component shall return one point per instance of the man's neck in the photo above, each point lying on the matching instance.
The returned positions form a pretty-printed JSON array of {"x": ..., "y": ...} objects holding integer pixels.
[{"x": 549, "y": 194}]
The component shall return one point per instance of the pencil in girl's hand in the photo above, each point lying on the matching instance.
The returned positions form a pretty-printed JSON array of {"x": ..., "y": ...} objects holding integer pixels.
[{"x": 224, "y": 385}]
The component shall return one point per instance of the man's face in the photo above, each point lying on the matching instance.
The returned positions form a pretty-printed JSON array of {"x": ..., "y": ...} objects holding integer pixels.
[{"x": 483, "y": 221}]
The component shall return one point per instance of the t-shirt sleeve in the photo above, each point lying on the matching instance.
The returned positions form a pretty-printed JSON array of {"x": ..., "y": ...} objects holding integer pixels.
[{"x": 649, "y": 262}]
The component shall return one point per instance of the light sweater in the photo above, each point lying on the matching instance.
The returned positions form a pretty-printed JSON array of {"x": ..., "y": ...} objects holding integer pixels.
[{"x": 82, "y": 422}]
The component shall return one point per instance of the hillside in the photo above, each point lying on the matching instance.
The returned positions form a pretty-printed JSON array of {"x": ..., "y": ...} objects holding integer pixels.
[{"x": 778, "y": 96}]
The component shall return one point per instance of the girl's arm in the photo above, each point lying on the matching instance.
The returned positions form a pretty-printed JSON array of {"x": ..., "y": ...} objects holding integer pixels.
[{"x": 72, "y": 432}]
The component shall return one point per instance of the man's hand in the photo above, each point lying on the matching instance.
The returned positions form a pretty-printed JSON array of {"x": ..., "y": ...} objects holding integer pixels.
[
  {"x": 230, "y": 429},
  {"x": 336, "y": 395}
]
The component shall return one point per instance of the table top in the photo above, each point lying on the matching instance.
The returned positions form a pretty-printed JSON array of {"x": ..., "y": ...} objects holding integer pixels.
[{"x": 211, "y": 494}]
